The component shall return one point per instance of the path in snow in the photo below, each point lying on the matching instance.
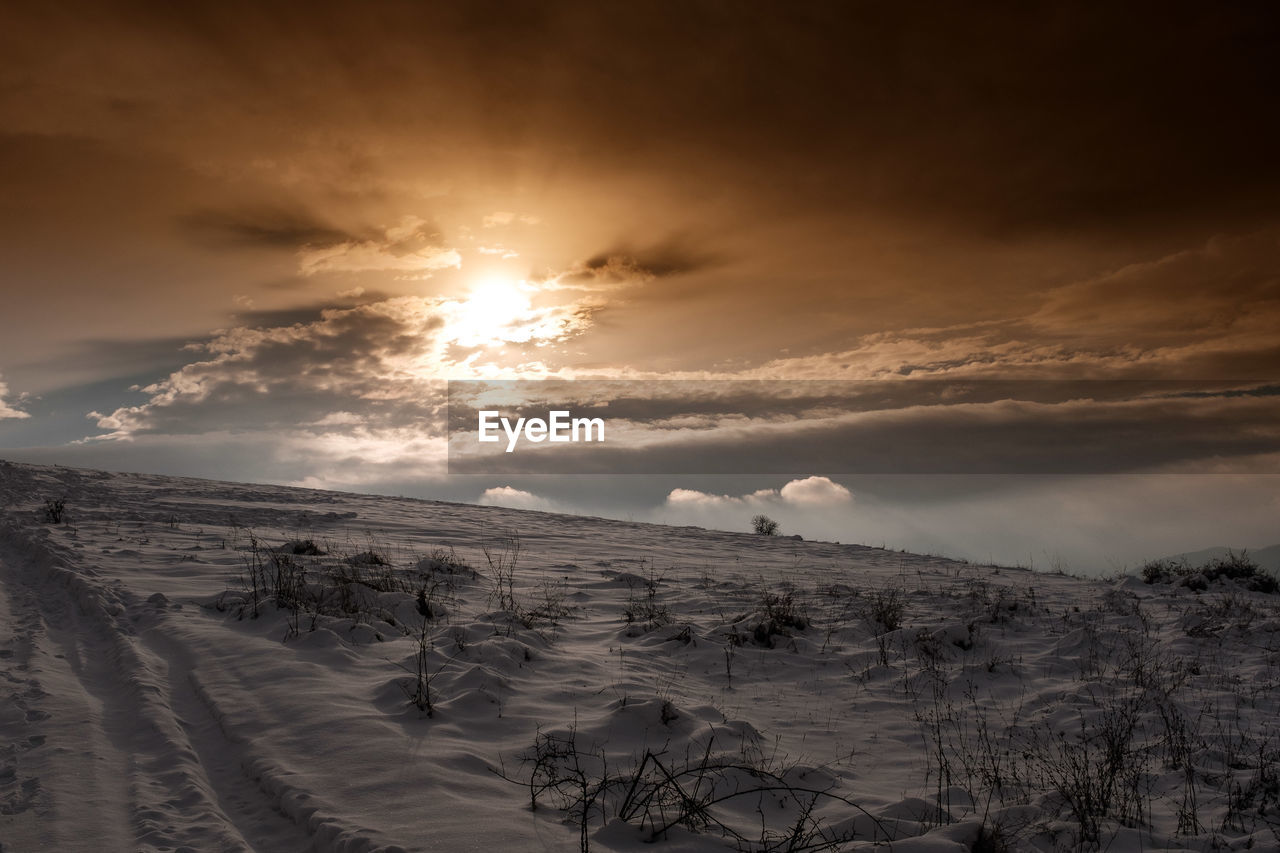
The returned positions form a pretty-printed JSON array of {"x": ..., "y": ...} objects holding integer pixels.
[
  {"x": 107, "y": 743},
  {"x": 63, "y": 776}
]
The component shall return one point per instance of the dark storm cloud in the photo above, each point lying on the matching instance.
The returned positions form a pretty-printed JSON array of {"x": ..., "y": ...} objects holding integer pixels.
[
  {"x": 674, "y": 257},
  {"x": 627, "y": 265},
  {"x": 1009, "y": 118},
  {"x": 279, "y": 316},
  {"x": 266, "y": 227}
]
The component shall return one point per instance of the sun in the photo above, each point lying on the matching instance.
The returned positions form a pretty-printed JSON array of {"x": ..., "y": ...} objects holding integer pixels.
[{"x": 493, "y": 305}]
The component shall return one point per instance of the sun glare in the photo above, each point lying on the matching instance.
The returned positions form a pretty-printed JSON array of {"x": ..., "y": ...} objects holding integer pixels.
[{"x": 491, "y": 307}]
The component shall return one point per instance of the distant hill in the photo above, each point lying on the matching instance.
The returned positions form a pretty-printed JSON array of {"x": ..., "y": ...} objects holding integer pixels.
[{"x": 1268, "y": 557}]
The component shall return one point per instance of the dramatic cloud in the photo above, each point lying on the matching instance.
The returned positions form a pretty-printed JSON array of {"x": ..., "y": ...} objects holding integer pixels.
[
  {"x": 272, "y": 378},
  {"x": 1204, "y": 313},
  {"x": 826, "y": 191},
  {"x": 267, "y": 378},
  {"x": 1212, "y": 311},
  {"x": 410, "y": 249},
  {"x": 7, "y": 410},
  {"x": 342, "y": 385}
]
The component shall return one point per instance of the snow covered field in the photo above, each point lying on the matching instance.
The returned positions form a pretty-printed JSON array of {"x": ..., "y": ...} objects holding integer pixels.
[{"x": 193, "y": 665}]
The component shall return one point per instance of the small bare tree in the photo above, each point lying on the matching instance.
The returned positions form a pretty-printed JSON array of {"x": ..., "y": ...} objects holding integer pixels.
[{"x": 764, "y": 525}]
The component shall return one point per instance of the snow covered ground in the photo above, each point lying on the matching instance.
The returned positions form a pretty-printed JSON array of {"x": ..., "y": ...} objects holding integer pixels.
[{"x": 193, "y": 665}]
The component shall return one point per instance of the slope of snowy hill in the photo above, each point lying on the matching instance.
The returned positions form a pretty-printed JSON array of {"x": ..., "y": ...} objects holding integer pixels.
[{"x": 194, "y": 665}]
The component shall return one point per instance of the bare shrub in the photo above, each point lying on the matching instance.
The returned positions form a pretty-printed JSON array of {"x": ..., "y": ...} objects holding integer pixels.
[
  {"x": 417, "y": 688},
  {"x": 1162, "y": 571},
  {"x": 764, "y": 525},
  {"x": 1098, "y": 770},
  {"x": 547, "y": 606},
  {"x": 705, "y": 792},
  {"x": 886, "y": 609},
  {"x": 1237, "y": 567},
  {"x": 296, "y": 579},
  {"x": 54, "y": 510},
  {"x": 643, "y": 607},
  {"x": 779, "y": 615},
  {"x": 503, "y": 559}
]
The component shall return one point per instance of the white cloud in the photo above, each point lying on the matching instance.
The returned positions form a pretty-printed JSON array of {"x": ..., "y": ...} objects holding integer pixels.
[
  {"x": 815, "y": 491},
  {"x": 692, "y": 498},
  {"x": 513, "y": 498},
  {"x": 810, "y": 506},
  {"x": 811, "y": 491},
  {"x": 7, "y": 410}
]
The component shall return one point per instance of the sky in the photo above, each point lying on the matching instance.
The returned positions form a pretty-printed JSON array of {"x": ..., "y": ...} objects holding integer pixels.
[{"x": 255, "y": 241}]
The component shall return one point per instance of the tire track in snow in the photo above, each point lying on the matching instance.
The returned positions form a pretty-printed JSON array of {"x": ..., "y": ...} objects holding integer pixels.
[
  {"x": 117, "y": 740},
  {"x": 60, "y": 777},
  {"x": 174, "y": 781},
  {"x": 261, "y": 823},
  {"x": 19, "y": 723},
  {"x": 253, "y": 782}
]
